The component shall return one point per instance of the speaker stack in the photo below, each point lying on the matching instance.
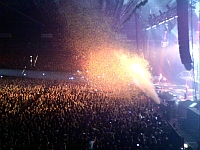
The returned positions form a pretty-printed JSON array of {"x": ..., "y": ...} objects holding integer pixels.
[{"x": 183, "y": 34}]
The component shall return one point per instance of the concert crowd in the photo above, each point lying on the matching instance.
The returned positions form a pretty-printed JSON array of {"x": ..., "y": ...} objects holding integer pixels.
[{"x": 38, "y": 114}]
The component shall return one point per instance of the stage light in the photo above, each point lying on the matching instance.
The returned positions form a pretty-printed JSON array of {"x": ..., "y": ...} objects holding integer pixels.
[
  {"x": 193, "y": 104},
  {"x": 154, "y": 26},
  {"x": 161, "y": 22},
  {"x": 148, "y": 28},
  {"x": 71, "y": 78},
  {"x": 186, "y": 145},
  {"x": 163, "y": 17}
]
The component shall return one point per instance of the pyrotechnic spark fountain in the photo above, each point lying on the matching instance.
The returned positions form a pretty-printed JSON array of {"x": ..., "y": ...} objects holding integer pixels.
[
  {"x": 116, "y": 70},
  {"x": 110, "y": 65}
]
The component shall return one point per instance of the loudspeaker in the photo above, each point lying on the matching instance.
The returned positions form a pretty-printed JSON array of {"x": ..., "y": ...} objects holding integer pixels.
[{"x": 183, "y": 33}]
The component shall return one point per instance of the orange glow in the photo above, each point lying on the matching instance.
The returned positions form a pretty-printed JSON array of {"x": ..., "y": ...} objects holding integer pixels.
[
  {"x": 104, "y": 59},
  {"x": 116, "y": 70}
]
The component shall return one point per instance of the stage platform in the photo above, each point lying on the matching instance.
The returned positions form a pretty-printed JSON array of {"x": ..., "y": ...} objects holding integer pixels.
[{"x": 185, "y": 110}]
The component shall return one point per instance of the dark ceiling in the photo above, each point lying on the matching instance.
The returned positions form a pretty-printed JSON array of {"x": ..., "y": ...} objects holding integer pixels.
[{"x": 17, "y": 16}]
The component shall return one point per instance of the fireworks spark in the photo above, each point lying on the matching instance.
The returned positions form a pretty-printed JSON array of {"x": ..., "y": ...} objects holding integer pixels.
[
  {"x": 116, "y": 70},
  {"x": 106, "y": 62}
]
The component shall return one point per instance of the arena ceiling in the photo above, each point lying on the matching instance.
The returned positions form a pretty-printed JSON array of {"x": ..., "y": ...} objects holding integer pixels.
[
  {"x": 36, "y": 12},
  {"x": 21, "y": 14}
]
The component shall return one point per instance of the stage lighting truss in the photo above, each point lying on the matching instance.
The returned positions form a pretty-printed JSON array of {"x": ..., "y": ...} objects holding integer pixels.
[{"x": 163, "y": 18}]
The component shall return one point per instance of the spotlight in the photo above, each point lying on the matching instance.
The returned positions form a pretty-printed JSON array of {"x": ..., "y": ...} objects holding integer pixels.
[
  {"x": 71, "y": 78},
  {"x": 148, "y": 28},
  {"x": 193, "y": 105},
  {"x": 162, "y": 22},
  {"x": 154, "y": 26},
  {"x": 186, "y": 145}
]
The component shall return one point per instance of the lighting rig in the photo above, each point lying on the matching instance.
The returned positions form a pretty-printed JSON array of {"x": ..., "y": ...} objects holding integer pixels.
[{"x": 164, "y": 17}]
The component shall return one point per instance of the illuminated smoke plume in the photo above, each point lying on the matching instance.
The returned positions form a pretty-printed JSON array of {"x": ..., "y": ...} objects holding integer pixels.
[
  {"x": 106, "y": 62},
  {"x": 118, "y": 70}
]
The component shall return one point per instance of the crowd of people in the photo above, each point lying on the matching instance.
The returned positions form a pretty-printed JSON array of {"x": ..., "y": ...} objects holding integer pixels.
[{"x": 58, "y": 115}]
